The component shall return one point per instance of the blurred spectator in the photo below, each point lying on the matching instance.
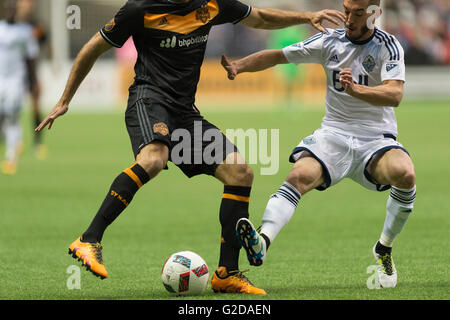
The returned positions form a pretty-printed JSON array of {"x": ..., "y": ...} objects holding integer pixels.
[
  {"x": 26, "y": 13},
  {"x": 422, "y": 27},
  {"x": 291, "y": 74}
]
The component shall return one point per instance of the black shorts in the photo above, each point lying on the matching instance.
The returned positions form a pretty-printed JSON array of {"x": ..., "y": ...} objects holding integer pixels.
[{"x": 195, "y": 145}]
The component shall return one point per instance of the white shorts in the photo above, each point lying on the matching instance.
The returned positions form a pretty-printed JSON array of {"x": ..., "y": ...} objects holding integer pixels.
[{"x": 343, "y": 156}]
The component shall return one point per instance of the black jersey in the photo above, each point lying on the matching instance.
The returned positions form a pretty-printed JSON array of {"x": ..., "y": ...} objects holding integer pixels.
[{"x": 171, "y": 40}]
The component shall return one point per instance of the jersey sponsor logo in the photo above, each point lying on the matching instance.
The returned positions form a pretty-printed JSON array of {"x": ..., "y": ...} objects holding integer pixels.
[
  {"x": 186, "y": 42},
  {"x": 203, "y": 14},
  {"x": 169, "y": 43},
  {"x": 193, "y": 40},
  {"x": 161, "y": 128},
  {"x": 109, "y": 26},
  {"x": 391, "y": 66},
  {"x": 369, "y": 63},
  {"x": 182, "y": 24}
]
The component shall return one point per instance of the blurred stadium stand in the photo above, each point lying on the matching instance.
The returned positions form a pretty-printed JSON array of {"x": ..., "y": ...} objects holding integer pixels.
[{"x": 422, "y": 26}]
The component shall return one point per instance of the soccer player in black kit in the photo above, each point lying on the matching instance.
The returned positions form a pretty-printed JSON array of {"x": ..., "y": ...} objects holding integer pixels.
[{"x": 170, "y": 38}]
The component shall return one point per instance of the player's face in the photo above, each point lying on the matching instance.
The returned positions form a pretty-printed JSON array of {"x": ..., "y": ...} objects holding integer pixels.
[
  {"x": 357, "y": 17},
  {"x": 25, "y": 9}
]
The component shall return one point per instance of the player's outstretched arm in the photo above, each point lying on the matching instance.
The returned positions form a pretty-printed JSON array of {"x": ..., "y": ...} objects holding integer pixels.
[
  {"x": 271, "y": 19},
  {"x": 81, "y": 67},
  {"x": 389, "y": 94},
  {"x": 256, "y": 62}
]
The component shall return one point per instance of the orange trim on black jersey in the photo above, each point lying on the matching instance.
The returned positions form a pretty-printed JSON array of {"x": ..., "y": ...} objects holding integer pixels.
[{"x": 182, "y": 24}]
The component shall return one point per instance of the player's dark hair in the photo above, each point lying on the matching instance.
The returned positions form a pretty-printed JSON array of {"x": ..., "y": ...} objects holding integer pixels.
[{"x": 10, "y": 7}]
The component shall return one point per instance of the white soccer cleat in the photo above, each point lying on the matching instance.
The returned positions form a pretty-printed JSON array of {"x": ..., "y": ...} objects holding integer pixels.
[
  {"x": 387, "y": 274},
  {"x": 251, "y": 241}
]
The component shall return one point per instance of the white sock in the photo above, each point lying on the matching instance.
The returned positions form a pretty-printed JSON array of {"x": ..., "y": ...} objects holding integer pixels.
[
  {"x": 13, "y": 137},
  {"x": 279, "y": 210},
  {"x": 398, "y": 209}
]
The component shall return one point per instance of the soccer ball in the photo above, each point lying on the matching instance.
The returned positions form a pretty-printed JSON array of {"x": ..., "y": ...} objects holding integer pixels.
[{"x": 185, "y": 273}]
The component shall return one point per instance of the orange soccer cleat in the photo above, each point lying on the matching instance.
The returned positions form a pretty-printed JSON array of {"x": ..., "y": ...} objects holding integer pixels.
[
  {"x": 233, "y": 282},
  {"x": 91, "y": 256}
]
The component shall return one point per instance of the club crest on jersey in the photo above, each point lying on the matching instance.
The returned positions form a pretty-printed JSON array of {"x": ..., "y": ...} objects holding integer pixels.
[
  {"x": 369, "y": 63},
  {"x": 309, "y": 141},
  {"x": 203, "y": 14},
  {"x": 391, "y": 66},
  {"x": 161, "y": 128},
  {"x": 110, "y": 25}
]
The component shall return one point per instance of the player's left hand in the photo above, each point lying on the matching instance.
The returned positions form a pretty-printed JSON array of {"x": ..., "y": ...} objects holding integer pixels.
[
  {"x": 59, "y": 110},
  {"x": 317, "y": 18},
  {"x": 346, "y": 80},
  {"x": 230, "y": 67}
]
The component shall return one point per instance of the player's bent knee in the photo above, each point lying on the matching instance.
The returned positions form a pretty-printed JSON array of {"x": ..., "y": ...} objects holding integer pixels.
[
  {"x": 403, "y": 177},
  {"x": 235, "y": 174},
  {"x": 242, "y": 174},
  {"x": 406, "y": 179},
  {"x": 303, "y": 180},
  {"x": 155, "y": 163},
  {"x": 153, "y": 158}
]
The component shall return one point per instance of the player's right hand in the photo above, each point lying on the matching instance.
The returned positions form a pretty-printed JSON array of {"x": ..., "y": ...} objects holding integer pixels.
[
  {"x": 317, "y": 18},
  {"x": 57, "y": 111},
  {"x": 230, "y": 67}
]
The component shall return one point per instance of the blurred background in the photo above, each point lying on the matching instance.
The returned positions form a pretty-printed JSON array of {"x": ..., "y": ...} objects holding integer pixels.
[{"x": 423, "y": 28}]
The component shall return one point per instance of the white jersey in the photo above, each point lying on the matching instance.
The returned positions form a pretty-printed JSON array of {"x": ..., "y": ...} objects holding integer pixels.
[
  {"x": 373, "y": 61},
  {"x": 17, "y": 43}
]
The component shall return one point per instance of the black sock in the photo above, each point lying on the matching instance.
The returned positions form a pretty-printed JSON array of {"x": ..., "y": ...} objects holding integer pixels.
[
  {"x": 118, "y": 198},
  {"x": 382, "y": 250},
  {"x": 235, "y": 201}
]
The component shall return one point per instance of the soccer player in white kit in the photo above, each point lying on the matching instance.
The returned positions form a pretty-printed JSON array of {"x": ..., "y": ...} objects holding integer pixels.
[
  {"x": 18, "y": 52},
  {"x": 365, "y": 72}
]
